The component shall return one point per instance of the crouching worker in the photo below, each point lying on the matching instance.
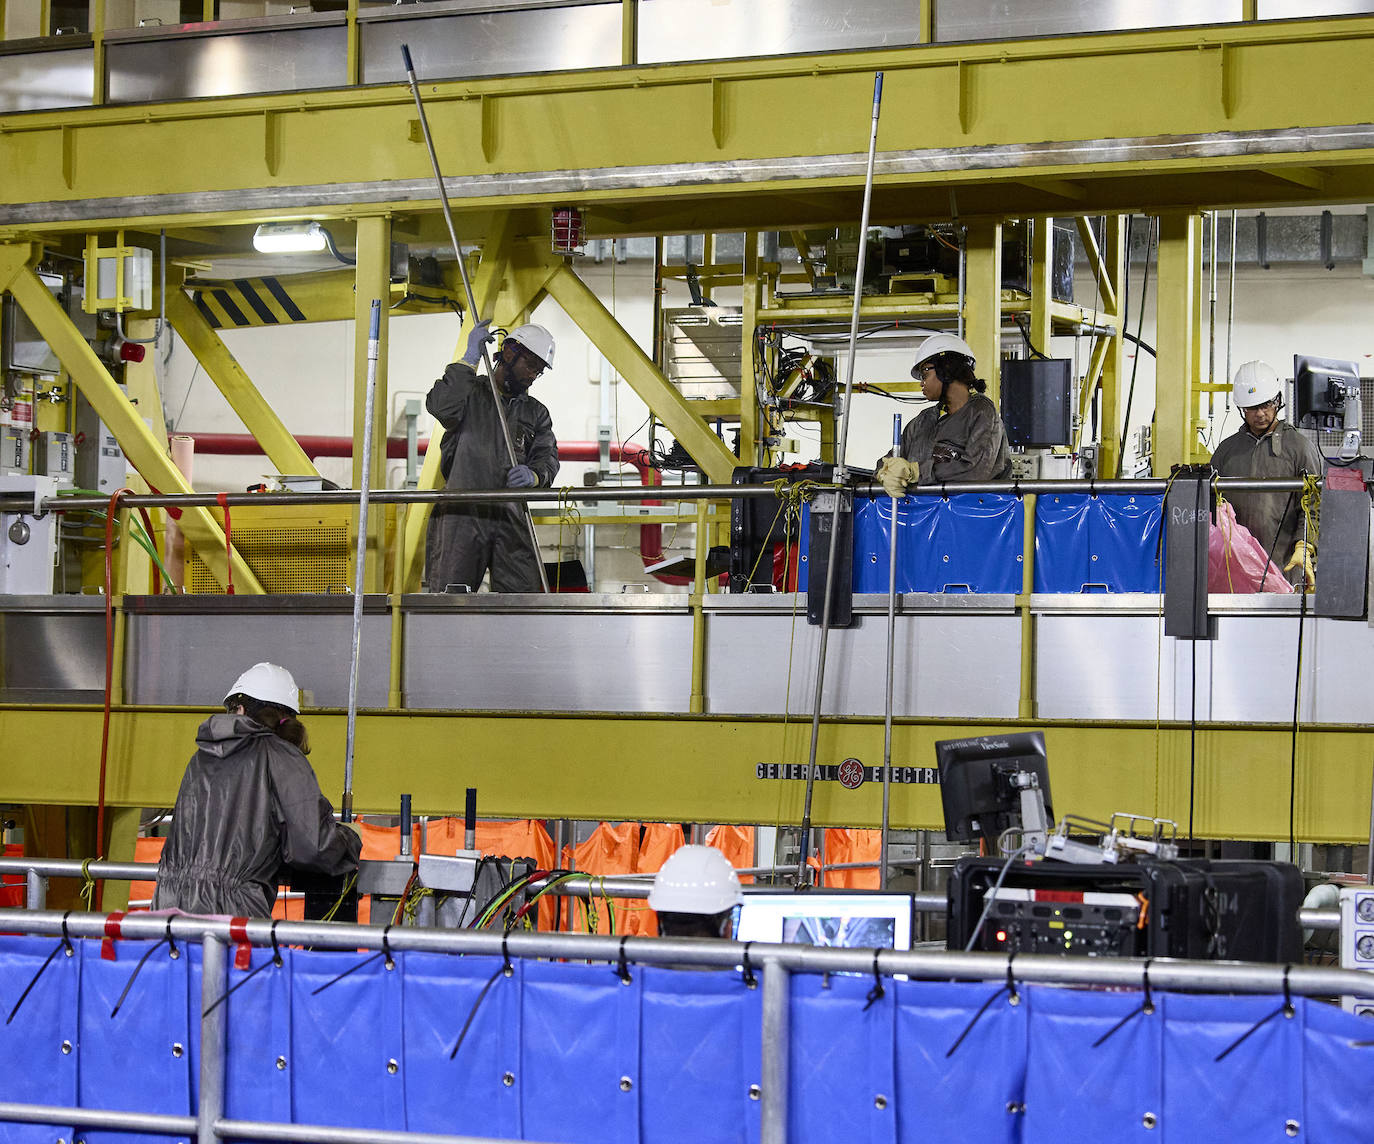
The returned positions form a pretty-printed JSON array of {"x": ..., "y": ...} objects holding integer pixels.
[
  {"x": 250, "y": 806},
  {"x": 695, "y": 893}
]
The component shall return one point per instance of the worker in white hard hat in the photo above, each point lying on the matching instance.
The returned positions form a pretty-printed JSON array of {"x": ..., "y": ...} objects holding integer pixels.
[
  {"x": 466, "y": 542},
  {"x": 961, "y": 437},
  {"x": 695, "y": 893},
  {"x": 250, "y": 806},
  {"x": 1268, "y": 446}
]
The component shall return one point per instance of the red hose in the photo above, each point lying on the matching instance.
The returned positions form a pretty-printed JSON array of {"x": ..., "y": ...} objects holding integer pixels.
[{"x": 223, "y": 499}]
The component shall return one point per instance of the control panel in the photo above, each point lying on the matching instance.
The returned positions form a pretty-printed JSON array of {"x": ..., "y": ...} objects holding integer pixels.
[
  {"x": 1085, "y": 923},
  {"x": 1357, "y": 941}
]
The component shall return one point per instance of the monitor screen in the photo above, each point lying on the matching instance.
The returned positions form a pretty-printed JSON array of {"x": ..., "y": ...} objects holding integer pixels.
[
  {"x": 979, "y": 798},
  {"x": 854, "y": 919},
  {"x": 1320, "y": 389}
]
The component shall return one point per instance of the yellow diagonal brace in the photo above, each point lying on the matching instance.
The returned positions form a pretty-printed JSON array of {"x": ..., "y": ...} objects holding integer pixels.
[
  {"x": 1099, "y": 267},
  {"x": 633, "y": 364},
  {"x": 280, "y": 447},
  {"x": 486, "y": 285},
  {"x": 113, "y": 408}
]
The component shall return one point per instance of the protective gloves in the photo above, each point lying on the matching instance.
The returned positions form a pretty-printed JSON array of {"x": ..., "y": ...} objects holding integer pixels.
[
  {"x": 480, "y": 335},
  {"x": 1304, "y": 554},
  {"x": 895, "y": 473},
  {"x": 521, "y": 477}
]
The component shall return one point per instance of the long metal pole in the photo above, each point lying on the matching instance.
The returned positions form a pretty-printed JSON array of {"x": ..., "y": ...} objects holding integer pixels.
[
  {"x": 891, "y": 657},
  {"x": 472, "y": 298},
  {"x": 374, "y": 334},
  {"x": 212, "y": 1038},
  {"x": 777, "y": 1043},
  {"x": 1230, "y": 306},
  {"x": 839, "y": 480}
]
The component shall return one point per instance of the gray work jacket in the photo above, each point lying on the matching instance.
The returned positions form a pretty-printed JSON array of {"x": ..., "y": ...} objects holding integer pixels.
[
  {"x": 249, "y": 807},
  {"x": 976, "y": 435}
]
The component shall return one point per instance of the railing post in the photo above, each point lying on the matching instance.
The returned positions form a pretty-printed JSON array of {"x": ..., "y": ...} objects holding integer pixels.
[
  {"x": 35, "y": 891},
  {"x": 212, "y": 1039},
  {"x": 773, "y": 1072}
]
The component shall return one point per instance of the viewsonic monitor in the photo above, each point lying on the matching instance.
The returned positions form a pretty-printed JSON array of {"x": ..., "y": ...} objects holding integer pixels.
[
  {"x": 1326, "y": 395},
  {"x": 976, "y": 788},
  {"x": 853, "y": 919}
]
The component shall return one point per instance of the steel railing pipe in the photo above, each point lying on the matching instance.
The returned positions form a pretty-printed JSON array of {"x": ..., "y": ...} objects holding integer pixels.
[
  {"x": 1165, "y": 973},
  {"x": 12, "y": 502},
  {"x": 773, "y": 1067}
]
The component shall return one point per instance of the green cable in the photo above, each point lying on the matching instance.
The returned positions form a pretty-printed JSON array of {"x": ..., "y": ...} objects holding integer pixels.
[{"x": 137, "y": 531}]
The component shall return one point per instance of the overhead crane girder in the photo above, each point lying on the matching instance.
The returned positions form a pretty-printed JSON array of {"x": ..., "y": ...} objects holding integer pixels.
[{"x": 1019, "y": 127}]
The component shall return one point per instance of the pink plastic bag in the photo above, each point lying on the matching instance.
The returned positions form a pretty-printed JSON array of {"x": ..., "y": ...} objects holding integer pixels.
[{"x": 1236, "y": 561}]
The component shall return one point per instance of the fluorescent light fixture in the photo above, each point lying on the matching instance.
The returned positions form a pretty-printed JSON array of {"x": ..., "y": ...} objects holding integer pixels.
[{"x": 289, "y": 237}]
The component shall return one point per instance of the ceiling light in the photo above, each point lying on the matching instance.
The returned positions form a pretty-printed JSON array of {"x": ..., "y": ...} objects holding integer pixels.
[{"x": 289, "y": 237}]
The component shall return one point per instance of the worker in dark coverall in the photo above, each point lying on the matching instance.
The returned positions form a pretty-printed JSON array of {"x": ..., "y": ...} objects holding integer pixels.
[
  {"x": 961, "y": 437},
  {"x": 1268, "y": 446},
  {"x": 467, "y": 541},
  {"x": 249, "y": 807}
]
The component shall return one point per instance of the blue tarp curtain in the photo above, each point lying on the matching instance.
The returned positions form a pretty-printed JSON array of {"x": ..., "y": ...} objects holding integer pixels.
[
  {"x": 1104, "y": 543},
  {"x": 968, "y": 542},
  {"x": 565, "y": 1052}
]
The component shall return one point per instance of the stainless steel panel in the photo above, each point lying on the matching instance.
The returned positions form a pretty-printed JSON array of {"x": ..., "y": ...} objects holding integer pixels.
[
  {"x": 723, "y": 29},
  {"x": 749, "y": 659},
  {"x": 52, "y": 654},
  {"x": 1026, "y": 19},
  {"x": 555, "y": 661},
  {"x": 33, "y": 81},
  {"x": 1292, "y": 9},
  {"x": 454, "y": 45},
  {"x": 228, "y": 63},
  {"x": 1104, "y": 667},
  {"x": 191, "y": 659}
]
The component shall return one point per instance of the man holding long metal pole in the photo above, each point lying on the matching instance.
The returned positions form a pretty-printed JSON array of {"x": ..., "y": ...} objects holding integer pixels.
[{"x": 462, "y": 546}]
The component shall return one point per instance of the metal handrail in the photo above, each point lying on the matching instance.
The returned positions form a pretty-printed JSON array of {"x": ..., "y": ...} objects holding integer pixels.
[
  {"x": 37, "y": 870},
  {"x": 18, "y": 502}
]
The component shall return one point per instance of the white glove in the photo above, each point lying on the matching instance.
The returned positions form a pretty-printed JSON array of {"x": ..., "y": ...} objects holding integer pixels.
[{"x": 896, "y": 473}]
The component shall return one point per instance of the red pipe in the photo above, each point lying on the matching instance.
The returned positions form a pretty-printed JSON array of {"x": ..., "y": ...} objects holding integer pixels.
[{"x": 650, "y": 535}]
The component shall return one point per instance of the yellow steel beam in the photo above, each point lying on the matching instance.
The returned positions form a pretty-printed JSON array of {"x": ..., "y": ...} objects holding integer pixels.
[
  {"x": 280, "y": 447},
  {"x": 89, "y": 374},
  {"x": 959, "y": 114},
  {"x": 1042, "y": 281},
  {"x": 1302, "y": 176},
  {"x": 1176, "y": 338},
  {"x": 631, "y": 362},
  {"x": 1105, "y": 287},
  {"x": 372, "y": 276},
  {"x": 748, "y": 408},
  {"x": 983, "y": 302},
  {"x": 706, "y": 767}
]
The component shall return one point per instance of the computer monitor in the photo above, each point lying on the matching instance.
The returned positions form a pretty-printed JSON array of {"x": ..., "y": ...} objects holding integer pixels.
[
  {"x": 853, "y": 919},
  {"x": 977, "y": 788},
  {"x": 1326, "y": 395}
]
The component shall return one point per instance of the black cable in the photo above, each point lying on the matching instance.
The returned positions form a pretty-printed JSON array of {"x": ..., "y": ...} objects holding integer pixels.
[{"x": 881, "y": 392}]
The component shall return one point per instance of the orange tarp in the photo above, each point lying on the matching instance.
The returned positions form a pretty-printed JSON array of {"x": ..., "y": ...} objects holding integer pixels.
[
  {"x": 736, "y": 843},
  {"x": 851, "y": 845}
]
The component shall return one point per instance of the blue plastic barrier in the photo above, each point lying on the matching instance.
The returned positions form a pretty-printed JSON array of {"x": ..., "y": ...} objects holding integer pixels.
[
  {"x": 566, "y": 1052},
  {"x": 968, "y": 542},
  {"x": 1104, "y": 543}
]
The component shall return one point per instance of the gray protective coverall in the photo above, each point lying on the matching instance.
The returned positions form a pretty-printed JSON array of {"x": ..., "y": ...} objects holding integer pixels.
[
  {"x": 976, "y": 435},
  {"x": 249, "y": 806},
  {"x": 1274, "y": 519},
  {"x": 464, "y": 541}
]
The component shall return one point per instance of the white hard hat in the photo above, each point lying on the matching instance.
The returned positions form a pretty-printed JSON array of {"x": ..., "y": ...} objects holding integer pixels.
[
  {"x": 695, "y": 880},
  {"x": 942, "y": 344},
  {"x": 268, "y": 683},
  {"x": 536, "y": 339},
  {"x": 1255, "y": 383}
]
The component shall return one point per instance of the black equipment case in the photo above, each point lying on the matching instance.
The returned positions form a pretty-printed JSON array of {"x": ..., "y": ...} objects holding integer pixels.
[{"x": 1213, "y": 910}]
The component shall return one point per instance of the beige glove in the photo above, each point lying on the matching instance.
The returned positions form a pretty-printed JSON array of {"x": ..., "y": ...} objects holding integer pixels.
[
  {"x": 1306, "y": 555},
  {"x": 895, "y": 473}
]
